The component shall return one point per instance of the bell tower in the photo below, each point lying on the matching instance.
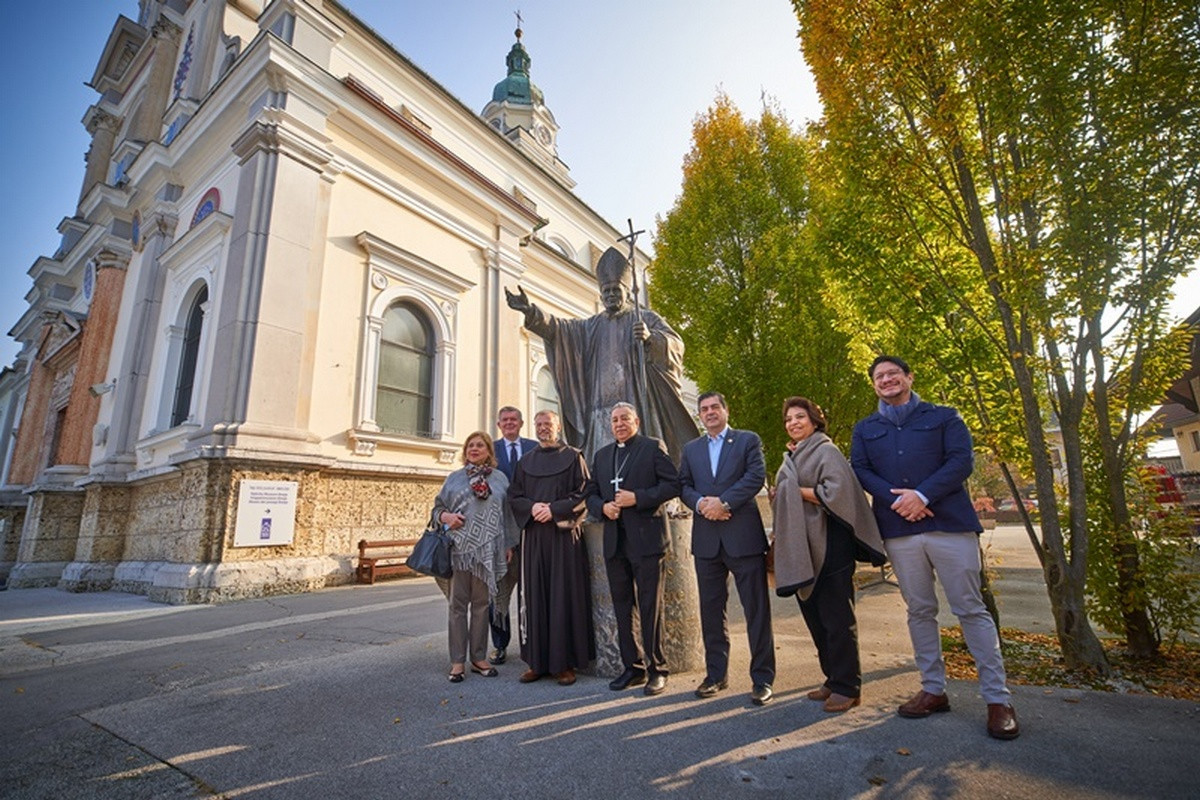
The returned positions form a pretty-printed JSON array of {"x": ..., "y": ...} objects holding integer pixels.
[{"x": 518, "y": 112}]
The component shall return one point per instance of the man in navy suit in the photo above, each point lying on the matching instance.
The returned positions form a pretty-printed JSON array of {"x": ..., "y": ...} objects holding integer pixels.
[
  {"x": 913, "y": 458},
  {"x": 722, "y": 472},
  {"x": 509, "y": 449},
  {"x": 631, "y": 479}
]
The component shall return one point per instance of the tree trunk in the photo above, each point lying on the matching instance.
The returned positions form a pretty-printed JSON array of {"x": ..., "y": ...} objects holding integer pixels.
[
  {"x": 1081, "y": 647},
  {"x": 1139, "y": 632}
]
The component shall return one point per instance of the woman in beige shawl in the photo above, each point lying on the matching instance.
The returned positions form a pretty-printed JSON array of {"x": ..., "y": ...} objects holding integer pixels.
[
  {"x": 822, "y": 523},
  {"x": 473, "y": 506}
]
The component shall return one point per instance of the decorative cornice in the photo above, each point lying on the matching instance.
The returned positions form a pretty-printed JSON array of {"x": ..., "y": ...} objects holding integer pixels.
[
  {"x": 273, "y": 137},
  {"x": 164, "y": 30},
  {"x": 97, "y": 118},
  {"x": 512, "y": 203}
]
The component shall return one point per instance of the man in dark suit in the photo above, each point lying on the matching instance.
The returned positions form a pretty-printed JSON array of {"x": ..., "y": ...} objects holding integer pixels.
[
  {"x": 722, "y": 473},
  {"x": 509, "y": 448},
  {"x": 631, "y": 479}
]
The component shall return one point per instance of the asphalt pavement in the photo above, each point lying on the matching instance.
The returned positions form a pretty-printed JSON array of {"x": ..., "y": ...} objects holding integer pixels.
[{"x": 342, "y": 693}]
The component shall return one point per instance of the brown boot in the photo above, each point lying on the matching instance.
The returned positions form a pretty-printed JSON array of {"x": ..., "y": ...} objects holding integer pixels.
[
  {"x": 820, "y": 694},
  {"x": 923, "y": 704},
  {"x": 1002, "y": 721},
  {"x": 566, "y": 677},
  {"x": 837, "y": 703}
]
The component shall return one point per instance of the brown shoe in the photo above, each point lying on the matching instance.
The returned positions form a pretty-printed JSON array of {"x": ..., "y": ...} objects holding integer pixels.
[
  {"x": 529, "y": 676},
  {"x": 837, "y": 703},
  {"x": 820, "y": 694},
  {"x": 1002, "y": 721},
  {"x": 923, "y": 704},
  {"x": 566, "y": 677}
]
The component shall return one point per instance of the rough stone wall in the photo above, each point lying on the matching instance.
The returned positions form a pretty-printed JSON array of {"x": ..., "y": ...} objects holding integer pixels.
[
  {"x": 48, "y": 539},
  {"x": 104, "y": 523},
  {"x": 12, "y": 519},
  {"x": 190, "y": 517}
]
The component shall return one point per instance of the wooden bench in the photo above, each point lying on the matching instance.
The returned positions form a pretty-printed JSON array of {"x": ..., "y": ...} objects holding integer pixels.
[{"x": 392, "y": 551}]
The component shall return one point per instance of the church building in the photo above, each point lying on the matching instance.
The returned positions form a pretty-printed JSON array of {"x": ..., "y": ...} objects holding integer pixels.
[{"x": 279, "y": 307}]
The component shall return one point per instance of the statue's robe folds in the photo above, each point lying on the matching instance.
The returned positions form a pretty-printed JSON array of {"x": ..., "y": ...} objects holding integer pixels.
[{"x": 595, "y": 365}]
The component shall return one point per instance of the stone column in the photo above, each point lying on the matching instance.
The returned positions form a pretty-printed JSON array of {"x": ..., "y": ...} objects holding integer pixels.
[
  {"x": 132, "y": 367},
  {"x": 682, "y": 643},
  {"x": 103, "y": 127},
  {"x": 147, "y": 126},
  {"x": 264, "y": 321}
]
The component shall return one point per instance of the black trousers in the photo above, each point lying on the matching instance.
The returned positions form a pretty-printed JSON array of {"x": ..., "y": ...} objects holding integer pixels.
[
  {"x": 501, "y": 625},
  {"x": 829, "y": 614},
  {"x": 750, "y": 577},
  {"x": 636, "y": 585}
]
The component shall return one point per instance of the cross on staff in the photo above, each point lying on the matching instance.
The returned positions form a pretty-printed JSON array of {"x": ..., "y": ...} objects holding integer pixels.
[{"x": 631, "y": 238}]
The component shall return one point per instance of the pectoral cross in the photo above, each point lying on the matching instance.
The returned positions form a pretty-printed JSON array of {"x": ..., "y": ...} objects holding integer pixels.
[{"x": 616, "y": 482}]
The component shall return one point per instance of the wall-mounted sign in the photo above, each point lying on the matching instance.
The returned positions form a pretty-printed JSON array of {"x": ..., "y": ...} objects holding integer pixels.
[{"x": 266, "y": 513}]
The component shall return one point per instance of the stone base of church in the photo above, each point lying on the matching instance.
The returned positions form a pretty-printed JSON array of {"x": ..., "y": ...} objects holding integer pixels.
[
  {"x": 12, "y": 519},
  {"x": 171, "y": 536},
  {"x": 682, "y": 643},
  {"x": 85, "y": 576},
  {"x": 36, "y": 574},
  {"x": 179, "y": 584}
]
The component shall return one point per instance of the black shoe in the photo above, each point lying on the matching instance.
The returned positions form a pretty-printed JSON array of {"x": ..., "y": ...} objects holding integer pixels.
[
  {"x": 762, "y": 694},
  {"x": 709, "y": 688},
  {"x": 656, "y": 685},
  {"x": 498, "y": 656},
  {"x": 630, "y": 677}
]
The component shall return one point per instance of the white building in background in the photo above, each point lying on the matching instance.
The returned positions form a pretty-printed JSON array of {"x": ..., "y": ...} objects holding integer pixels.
[{"x": 286, "y": 272}]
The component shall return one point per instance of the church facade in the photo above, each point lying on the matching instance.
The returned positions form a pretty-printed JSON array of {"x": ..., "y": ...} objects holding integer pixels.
[{"x": 279, "y": 306}]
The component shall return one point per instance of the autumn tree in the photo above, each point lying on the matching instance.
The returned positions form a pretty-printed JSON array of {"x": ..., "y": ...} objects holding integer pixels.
[
  {"x": 735, "y": 274},
  {"x": 1045, "y": 159}
]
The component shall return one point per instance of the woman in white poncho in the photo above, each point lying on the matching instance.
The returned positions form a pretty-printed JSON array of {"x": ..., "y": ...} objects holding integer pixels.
[{"x": 473, "y": 506}]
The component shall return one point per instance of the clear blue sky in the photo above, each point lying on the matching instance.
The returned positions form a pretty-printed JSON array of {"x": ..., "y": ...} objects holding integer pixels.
[{"x": 624, "y": 79}]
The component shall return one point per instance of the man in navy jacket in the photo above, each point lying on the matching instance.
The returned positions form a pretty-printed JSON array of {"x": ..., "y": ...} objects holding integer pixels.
[
  {"x": 722, "y": 473},
  {"x": 509, "y": 448},
  {"x": 913, "y": 458}
]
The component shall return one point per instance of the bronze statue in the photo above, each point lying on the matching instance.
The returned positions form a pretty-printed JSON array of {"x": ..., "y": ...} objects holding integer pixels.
[{"x": 620, "y": 354}]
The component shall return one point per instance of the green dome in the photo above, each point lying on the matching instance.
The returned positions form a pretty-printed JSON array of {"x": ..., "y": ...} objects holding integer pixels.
[{"x": 517, "y": 88}]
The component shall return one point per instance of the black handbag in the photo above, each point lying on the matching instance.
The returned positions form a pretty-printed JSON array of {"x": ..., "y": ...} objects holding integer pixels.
[{"x": 431, "y": 553}]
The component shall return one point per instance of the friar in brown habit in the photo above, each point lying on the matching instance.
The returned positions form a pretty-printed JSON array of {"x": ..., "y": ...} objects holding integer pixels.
[{"x": 555, "y": 608}]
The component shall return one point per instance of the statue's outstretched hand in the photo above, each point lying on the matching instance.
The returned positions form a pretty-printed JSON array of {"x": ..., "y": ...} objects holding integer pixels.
[{"x": 519, "y": 301}]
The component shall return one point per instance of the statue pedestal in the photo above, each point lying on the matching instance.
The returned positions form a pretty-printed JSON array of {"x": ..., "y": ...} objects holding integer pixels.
[{"x": 682, "y": 642}]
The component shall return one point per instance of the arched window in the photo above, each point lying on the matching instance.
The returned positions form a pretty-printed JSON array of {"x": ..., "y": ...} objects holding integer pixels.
[
  {"x": 181, "y": 408},
  {"x": 404, "y": 393},
  {"x": 546, "y": 392}
]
